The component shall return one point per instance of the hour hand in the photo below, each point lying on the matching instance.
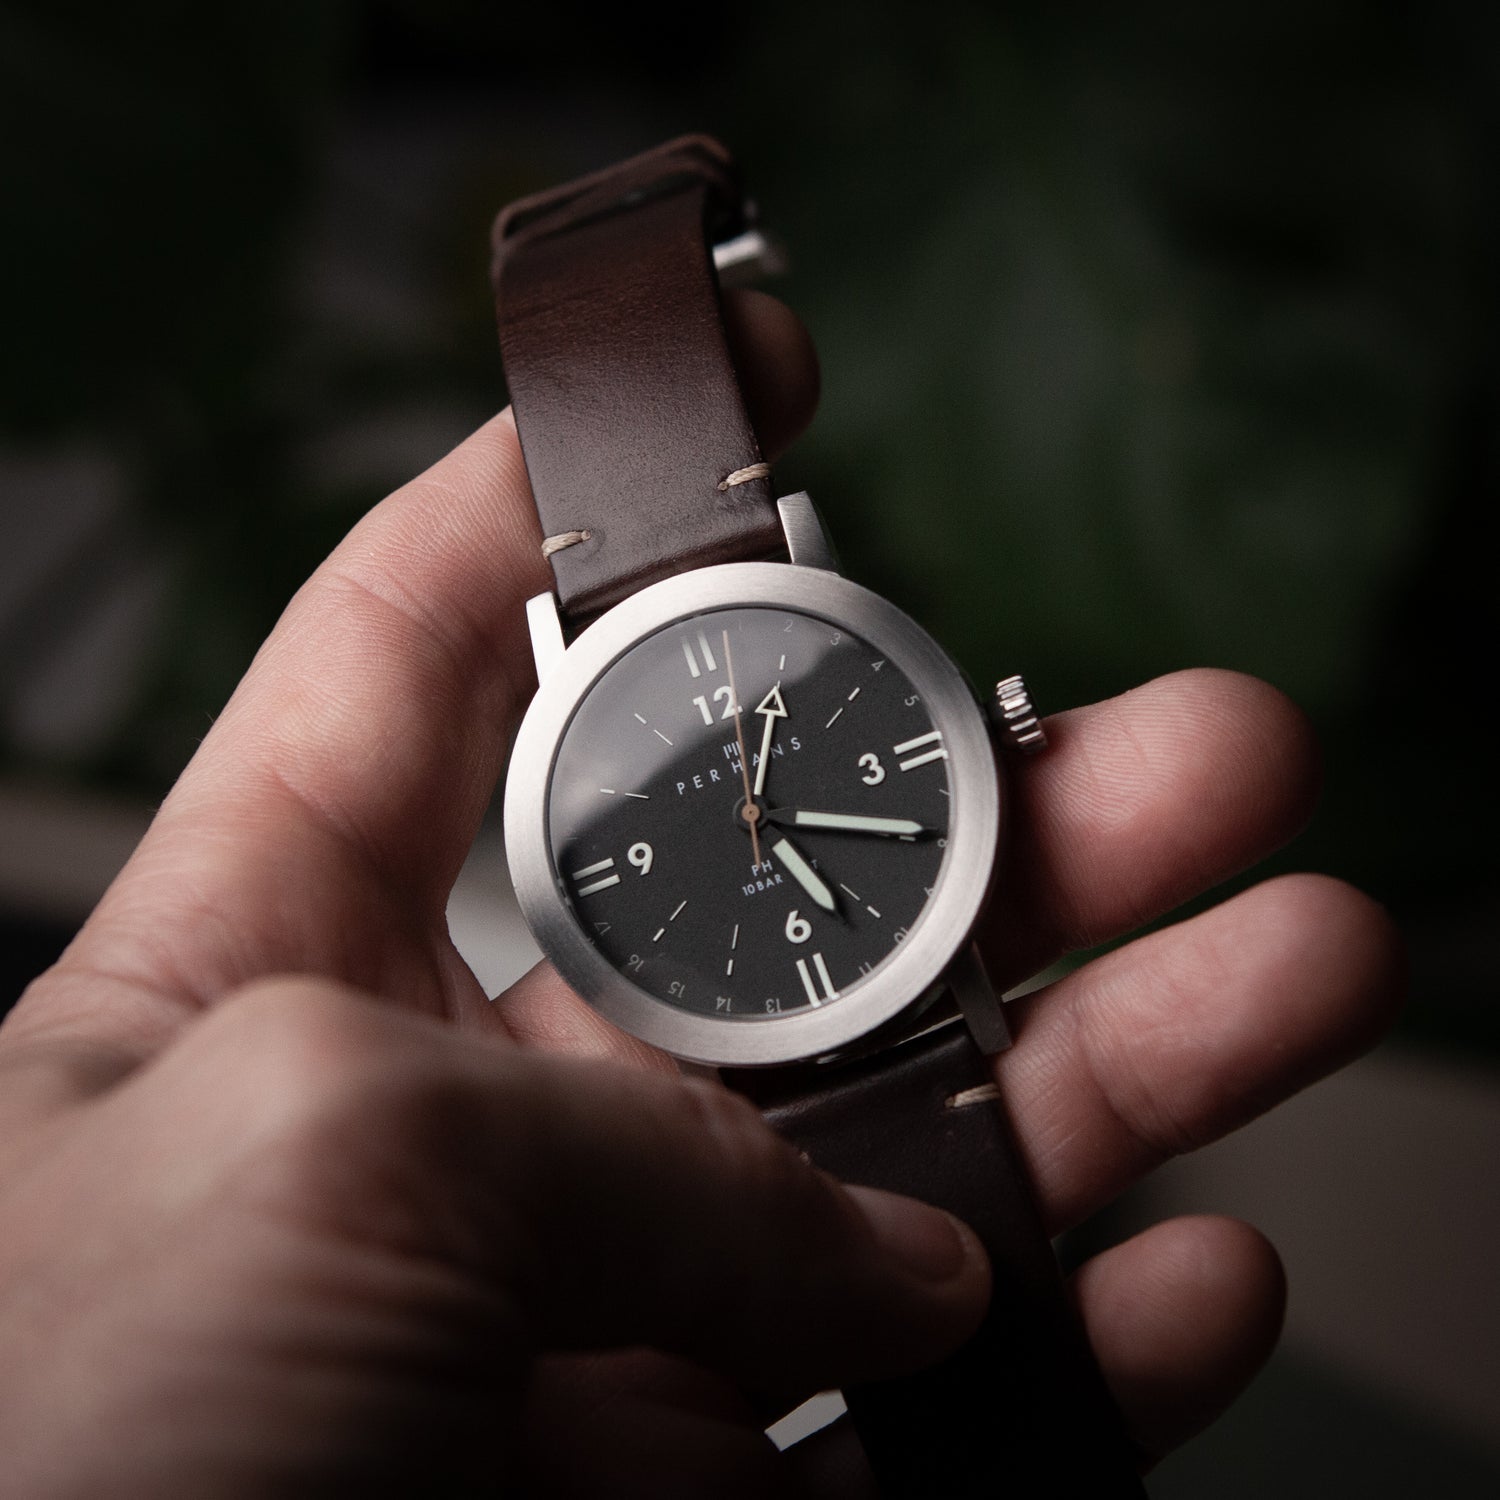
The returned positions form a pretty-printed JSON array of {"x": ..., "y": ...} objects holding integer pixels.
[
  {"x": 799, "y": 817},
  {"x": 804, "y": 874}
]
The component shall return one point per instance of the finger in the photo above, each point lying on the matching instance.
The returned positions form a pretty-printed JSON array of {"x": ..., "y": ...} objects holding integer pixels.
[
  {"x": 642, "y": 1424},
  {"x": 1141, "y": 802},
  {"x": 1181, "y": 1317},
  {"x": 1183, "y": 1035},
  {"x": 777, "y": 364},
  {"x": 613, "y": 1208},
  {"x": 325, "y": 816},
  {"x": 540, "y": 1010},
  {"x": 375, "y": 1224},
  {"x": 765, "y": 1266}
]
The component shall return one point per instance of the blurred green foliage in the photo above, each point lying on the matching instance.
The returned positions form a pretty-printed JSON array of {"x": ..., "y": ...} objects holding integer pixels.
[{"x": 1153, "y": 336}]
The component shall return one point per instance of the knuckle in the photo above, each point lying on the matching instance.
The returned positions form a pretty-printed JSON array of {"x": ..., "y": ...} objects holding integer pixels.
[
  {"x": 342, "y": 1111},
  {"x": 298, "y": 1046},
  {"x": 755, "y": 1162}
]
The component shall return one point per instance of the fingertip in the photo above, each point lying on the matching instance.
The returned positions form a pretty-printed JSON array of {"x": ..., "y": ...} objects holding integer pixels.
[
  {"x": 929, "y": 1273},
  {"x": 777, "y": 364},
  {"x": 927, "y": 1242},
  {"x": 1344, "y": 952},
  {"x": 1280, "y": 740},
  {"x": 1181, "y": 1318},
  {"x": 1269, "y": 760}
]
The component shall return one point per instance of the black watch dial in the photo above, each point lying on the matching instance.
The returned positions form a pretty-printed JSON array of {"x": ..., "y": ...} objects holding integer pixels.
[{"x": 748, "y": 812}]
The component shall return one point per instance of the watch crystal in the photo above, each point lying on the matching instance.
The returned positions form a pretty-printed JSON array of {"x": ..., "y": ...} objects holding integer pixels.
[{"x": 748, "y": 812}]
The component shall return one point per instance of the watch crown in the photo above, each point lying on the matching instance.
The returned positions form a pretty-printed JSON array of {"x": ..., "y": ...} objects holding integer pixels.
[{"x": 1014, "y": 719}]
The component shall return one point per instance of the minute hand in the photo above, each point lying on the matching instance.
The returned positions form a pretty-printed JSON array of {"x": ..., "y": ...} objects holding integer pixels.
[
  {"x": 773, "y": 708},
  {"x": 797, "y": 817}
]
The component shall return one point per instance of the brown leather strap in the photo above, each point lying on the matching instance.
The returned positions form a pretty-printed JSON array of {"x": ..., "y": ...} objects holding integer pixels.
[
  {"x": 632, "y": 424},
  {"x": 629, "y": 410},
  {"x": 1021, "y": 1410}
]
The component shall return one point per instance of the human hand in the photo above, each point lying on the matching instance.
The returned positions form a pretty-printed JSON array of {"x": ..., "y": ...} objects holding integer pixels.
[{"x": 264, "y": 1234}]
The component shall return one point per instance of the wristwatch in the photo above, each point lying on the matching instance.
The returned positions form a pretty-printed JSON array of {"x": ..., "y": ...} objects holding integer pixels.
[{"x": 753, "y": 811}]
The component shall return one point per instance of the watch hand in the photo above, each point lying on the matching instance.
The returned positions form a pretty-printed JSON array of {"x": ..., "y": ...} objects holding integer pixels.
[
  {"x": 752, "y": 812},
  {"x": 797, "y": 817},
  {"x": 804, "y": 874},
  {"x": 773, "y": 708}
]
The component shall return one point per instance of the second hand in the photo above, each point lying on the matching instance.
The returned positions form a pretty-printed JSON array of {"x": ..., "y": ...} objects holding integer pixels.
[{"x": 752, "y": 812}]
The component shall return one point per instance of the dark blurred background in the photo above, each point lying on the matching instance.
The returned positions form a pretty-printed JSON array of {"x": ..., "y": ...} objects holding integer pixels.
[{"x": 1153, "y": 336}]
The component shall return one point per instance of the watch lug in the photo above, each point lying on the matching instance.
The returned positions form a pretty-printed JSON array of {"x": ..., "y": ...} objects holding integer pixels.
[
  {"x": 807, "y": 541},
  {"x": 982, "y": 1009},
  {"x": 547, "y": 643}
]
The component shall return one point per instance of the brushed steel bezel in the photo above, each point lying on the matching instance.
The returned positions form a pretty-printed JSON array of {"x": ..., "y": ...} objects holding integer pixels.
[{"x": 945, "y": 924}]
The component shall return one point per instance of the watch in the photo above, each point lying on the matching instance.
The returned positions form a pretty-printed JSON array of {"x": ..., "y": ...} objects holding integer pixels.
[{"x": 753, "y": 812}]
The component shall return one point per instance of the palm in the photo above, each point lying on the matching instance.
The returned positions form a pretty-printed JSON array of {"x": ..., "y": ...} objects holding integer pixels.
[{"x": 322, "y": 823}]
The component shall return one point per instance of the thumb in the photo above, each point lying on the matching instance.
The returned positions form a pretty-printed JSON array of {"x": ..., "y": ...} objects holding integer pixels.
[
  {"x": 607, "y": 1206},
  {"x": 664, "y": 1211}
]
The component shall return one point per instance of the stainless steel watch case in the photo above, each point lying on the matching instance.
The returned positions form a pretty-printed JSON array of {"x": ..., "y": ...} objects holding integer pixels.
[{"x": 939, "y": 936}]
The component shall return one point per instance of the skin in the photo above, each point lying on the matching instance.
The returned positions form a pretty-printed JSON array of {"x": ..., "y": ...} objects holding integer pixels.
[{"x": 288, "y": 1206}]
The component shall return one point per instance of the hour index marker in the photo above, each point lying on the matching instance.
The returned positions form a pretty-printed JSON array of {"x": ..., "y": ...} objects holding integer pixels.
[
  {"x": 932, "y": 737},
  {"x": 639, "y": 720},
  {"x": 595, "y": 885},
  {"x": 829, "y": 993},
  {"x": 709, "y": 664},
  {"x": 656, "y": 936}
]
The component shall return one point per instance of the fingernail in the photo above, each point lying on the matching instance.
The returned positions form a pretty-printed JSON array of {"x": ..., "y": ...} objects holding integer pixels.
[{"x": 928, "y": 1242}]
